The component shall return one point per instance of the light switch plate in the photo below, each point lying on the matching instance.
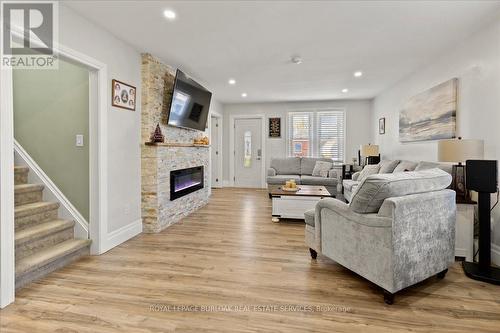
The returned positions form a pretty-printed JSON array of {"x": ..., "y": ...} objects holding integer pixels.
[{"x": 79, "y": 140}]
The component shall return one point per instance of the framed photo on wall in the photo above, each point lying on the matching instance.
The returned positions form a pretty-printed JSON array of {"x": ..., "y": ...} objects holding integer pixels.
[
  {"x": 381, "y": 126},
  {"x": 275, "y": 127},
  {"x": 123, "y": 95}
]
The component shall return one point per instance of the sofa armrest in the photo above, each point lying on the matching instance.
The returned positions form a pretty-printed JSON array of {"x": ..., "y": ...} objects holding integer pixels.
[
  {"x": 271, "y": 172},
  {"x": 355, "y": 175},
  {"x": 333, "y": 173},
  {"x": 423, "y": 231}
]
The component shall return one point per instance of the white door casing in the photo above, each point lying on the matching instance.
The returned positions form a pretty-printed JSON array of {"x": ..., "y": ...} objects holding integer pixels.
[
  {"x": 248, "y": 152},
  {"x": 214, "y": 153}
]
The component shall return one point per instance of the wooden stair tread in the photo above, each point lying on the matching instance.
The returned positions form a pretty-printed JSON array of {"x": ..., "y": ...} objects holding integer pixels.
[
  {"x": 49, "y": 255},
  {"x": 24, "y": 188},
  {"x": 41, "y": 230},
  {"x": 33, "y": 208},
  {"x": 20, "y": 169}
]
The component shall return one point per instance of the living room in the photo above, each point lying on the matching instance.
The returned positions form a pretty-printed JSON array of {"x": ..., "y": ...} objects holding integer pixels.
[{"x": 337, "y": 170}]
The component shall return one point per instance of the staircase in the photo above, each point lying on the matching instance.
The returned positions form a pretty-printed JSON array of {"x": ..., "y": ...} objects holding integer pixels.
[{"x": 44, "y": 242}]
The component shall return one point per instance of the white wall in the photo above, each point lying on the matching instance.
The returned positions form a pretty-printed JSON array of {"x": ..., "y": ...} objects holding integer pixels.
[
  {"x": 358, "y": 120},
  {"x": 124, "y": 154},
  {"x": 476, "y": 63}
]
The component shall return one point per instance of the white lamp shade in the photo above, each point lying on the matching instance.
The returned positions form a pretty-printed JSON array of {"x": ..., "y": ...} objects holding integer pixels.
[
  {"x": 369, "y": 150},
  {"x": 460, "y": 150}
]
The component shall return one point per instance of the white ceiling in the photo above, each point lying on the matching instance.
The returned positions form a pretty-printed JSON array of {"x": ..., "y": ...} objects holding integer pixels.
[{"x": 253, "y": 41}]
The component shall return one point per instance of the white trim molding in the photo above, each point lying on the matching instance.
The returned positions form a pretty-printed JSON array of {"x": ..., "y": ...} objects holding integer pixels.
[
  {"x": 121, "y": 235},
  {"x": 232, "y": 118},
  {"x": 7, "y": 256},
  {"x": 52, "y": 192},
  {"x": 219, "y": 148}
]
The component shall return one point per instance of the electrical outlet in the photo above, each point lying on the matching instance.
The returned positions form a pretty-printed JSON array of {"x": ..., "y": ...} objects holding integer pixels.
[{"x": 79, "y": 140}]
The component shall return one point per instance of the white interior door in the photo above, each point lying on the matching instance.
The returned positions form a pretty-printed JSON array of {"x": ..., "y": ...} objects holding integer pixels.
[
  {"x": 248, "y": 152},
  {"x": 215, "y": 154}
]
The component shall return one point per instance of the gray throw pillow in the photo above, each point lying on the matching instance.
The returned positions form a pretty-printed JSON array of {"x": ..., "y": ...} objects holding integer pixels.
[
  {"x": 388, "y": 166},
  {"x": 368, "y": 170},
  {"x": 405, "y": 166},
  {"x": 321, "y": 169}
]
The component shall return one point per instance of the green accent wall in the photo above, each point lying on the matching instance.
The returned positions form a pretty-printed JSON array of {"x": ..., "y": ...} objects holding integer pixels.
[{"x": 50, "y": 108}]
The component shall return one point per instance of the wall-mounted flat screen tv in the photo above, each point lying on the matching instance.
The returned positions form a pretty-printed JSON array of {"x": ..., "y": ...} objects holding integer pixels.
[{"x": 190, "y": 103}]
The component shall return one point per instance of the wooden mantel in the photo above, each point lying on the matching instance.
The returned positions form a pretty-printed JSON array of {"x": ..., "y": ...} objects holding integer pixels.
[{"x": 175, "y": 144}]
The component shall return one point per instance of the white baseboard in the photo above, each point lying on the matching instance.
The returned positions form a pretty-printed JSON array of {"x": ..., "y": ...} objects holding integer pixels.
[
  {"x": 123, "y": 234},
  {"x": 495, "y": 254}
]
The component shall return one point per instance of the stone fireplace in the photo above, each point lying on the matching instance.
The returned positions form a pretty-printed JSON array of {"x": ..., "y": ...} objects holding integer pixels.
[{"x": 160, "y": 207}]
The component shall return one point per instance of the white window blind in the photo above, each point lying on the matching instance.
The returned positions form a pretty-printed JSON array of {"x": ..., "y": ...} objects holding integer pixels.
[
  {"x": 300, "y": 134},
  {"x": 331, "y": 134},
  {"x": 317, "y": 134}
]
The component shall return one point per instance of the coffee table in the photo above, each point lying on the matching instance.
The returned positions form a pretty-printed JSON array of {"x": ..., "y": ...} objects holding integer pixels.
[{"x": 293, "y": 205}]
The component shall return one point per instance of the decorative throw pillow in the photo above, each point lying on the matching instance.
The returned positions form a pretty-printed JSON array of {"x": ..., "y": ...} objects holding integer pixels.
[
  {"x": 388, "y": 166},
  {"x": 321, "y": 169},
  {"x": 368, "y": 170}
]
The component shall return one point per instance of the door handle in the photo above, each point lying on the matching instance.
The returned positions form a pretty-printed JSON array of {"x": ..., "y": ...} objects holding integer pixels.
[{"x": 259, "y": 154}]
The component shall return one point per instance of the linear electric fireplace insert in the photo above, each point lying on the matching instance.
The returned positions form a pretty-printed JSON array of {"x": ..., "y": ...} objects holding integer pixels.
[{"x": 185, "y": 181}]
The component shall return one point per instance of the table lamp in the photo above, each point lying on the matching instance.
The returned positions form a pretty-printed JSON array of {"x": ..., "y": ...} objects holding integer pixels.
[
  {"x": 458, "y": 151},
  {"x": 370, "y": 153}
]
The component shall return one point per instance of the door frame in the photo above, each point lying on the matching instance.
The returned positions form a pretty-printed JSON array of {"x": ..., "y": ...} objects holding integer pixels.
[
  {"x": 98, "y": 113},
  {"x": 232, "y": 119},
  {"x": 219, "y": 148}
]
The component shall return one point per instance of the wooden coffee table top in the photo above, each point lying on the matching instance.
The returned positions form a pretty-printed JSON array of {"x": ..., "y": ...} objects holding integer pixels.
[{"x": 304, "y": 190}]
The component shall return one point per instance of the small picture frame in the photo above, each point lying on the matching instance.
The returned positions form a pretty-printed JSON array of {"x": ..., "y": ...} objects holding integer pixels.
[
  {"x": 123, "y": 95},
  {"x": 275, "y": 127},
  {"x": 381, "y": 126}
]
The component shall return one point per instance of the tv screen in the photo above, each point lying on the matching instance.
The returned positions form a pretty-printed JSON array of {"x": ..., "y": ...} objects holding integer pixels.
[{"x": 190, "y": 103}]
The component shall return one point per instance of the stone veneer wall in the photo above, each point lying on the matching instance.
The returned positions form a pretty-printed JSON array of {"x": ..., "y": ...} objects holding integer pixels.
[{"x": 158, "y": 212}]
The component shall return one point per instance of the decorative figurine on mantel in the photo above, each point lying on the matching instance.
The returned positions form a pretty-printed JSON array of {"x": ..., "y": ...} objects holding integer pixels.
[
  {"x": 203, "y": 141},
  {"x": 157, "y": 136}
]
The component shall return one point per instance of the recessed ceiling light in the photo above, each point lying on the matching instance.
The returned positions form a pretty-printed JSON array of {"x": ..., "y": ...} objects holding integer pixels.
[
  {"x": 345, "y": 90},
  {"x": 358, "y": 74},
  {"x": 231, "y": 81},
  {"x": 170, "y": 14},
  {"x": 296, "y": 60},
  {"x": 244, "y": 95}
]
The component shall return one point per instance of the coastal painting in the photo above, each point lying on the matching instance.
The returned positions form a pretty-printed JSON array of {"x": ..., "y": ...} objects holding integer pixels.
[{"x": 430, "y": 115}]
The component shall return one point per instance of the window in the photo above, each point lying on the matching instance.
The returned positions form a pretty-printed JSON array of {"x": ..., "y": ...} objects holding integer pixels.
[
  {"x": 317, "y": 134},
  {"x": 300, "y": 134}
]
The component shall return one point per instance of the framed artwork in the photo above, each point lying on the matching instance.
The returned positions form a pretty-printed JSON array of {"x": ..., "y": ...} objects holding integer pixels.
[
  {"x": 381, "y": 126},
  {"x": 275, "y": 127},
  {"x": 430, "y": 115},
  {"x": 123, "y": 95}
]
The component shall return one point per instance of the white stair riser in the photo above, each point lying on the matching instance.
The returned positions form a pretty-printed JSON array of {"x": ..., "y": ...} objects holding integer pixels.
[
  {"x": 28, "y": 197},
  {"x": 30, "y": 220},
  {"x": 33, "y": 246}
]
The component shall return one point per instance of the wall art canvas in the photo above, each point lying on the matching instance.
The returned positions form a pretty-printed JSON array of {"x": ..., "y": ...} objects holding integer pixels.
[
  {"x": 123, "y": 96},
  {"x": 381, "y": 126},
  {"x": 430, "y": 115}
]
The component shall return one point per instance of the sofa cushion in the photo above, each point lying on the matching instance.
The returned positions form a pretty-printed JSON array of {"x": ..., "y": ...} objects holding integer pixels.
[
  {"x": 281, "y": 179},
  {"x": 286, "y": 166},
  {"x": 405, "y": 166},
  {"x": 309, "y": 217},
  {"x": 321, "y": 169},
  {"x": 368, "y": 170},
  {"x": 313, "y": 180},
  {"x": 371, "y": 193},
  {"x": 307, "y": 164},
  {"x": 388, "y": 166}
]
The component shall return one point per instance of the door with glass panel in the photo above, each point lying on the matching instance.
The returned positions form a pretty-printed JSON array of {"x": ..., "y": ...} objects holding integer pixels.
[{"x": 248, "y": 152}]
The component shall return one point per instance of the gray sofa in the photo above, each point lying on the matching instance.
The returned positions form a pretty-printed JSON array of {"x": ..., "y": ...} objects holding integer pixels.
[
  {"x": 392, "y": 166},
  {"x": 398, "y": 230},
  {"x": 300, "y": 169}
]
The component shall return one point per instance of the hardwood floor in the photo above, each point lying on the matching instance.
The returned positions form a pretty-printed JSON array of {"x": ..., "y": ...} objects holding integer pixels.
[{"x": 229, "y": 253}]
